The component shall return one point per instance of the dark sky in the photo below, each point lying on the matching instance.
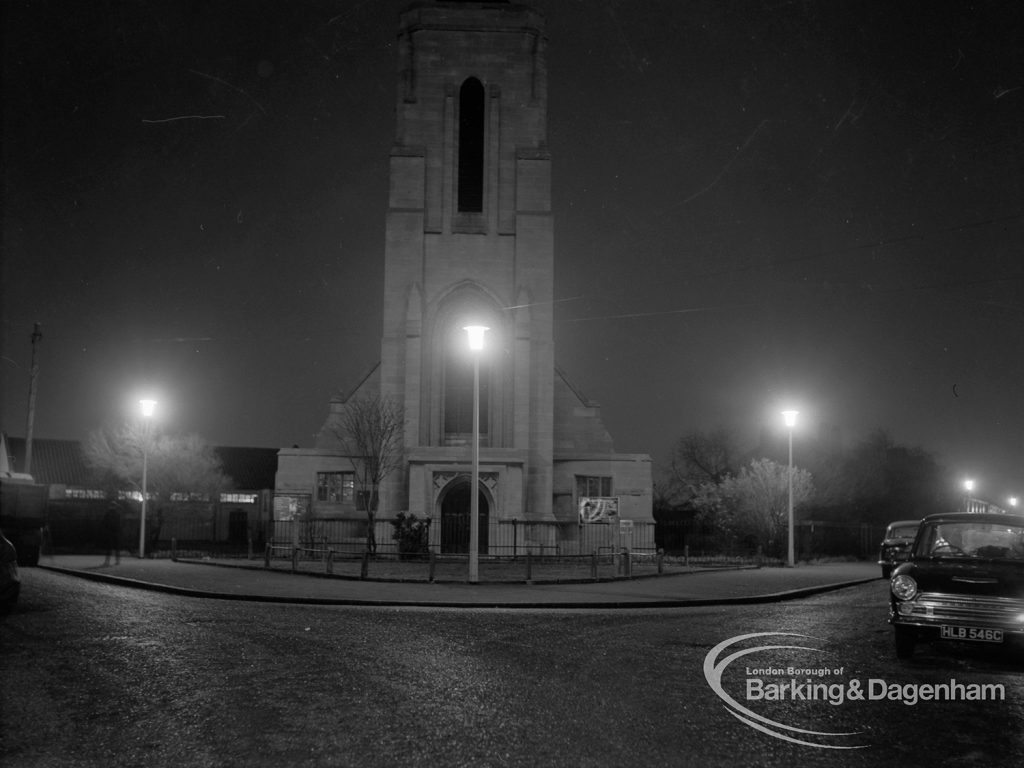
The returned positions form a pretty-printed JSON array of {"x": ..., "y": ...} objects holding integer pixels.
[{"x": 757, "y": 204}]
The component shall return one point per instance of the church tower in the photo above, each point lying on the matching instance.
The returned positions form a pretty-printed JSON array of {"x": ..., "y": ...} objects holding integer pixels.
[{"x": 470, "y": 241}]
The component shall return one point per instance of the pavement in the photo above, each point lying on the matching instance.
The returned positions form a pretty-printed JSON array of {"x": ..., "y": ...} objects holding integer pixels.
[{"x": 249, "y": 580}]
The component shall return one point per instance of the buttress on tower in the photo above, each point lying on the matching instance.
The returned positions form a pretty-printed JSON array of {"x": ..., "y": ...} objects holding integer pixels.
[{"x": 470, "y": 240}]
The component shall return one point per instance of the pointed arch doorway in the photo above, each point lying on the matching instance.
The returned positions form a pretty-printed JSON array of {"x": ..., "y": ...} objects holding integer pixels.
[{"x": 455, "y": 507}]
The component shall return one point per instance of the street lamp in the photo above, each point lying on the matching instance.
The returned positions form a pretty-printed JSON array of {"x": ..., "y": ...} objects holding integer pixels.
[
  {"x": 476, "y": 345},
  {"x": 1013, "y": 501},
  {"x": 147, "y": 412},
  {"x": 968, "y": 487},
  {"x": 790, "y": 418}
]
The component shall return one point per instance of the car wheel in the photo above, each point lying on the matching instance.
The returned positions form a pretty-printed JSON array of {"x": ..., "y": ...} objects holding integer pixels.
[{"x": 905, "y": 642}]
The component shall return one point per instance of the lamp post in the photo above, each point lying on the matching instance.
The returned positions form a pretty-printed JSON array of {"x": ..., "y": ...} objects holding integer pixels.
[
  {"x": 147, "y": 412},
  {"x": 968, "y": 487},
  {"x": 790, "y": 418},
  {"x": 476, "y": 345}
]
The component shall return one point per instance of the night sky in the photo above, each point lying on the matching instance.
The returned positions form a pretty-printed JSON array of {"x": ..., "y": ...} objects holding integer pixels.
[{"x": 757, "y": 205}]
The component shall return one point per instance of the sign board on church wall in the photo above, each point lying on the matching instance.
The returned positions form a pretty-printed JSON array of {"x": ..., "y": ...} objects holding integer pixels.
[{"x": 598, "y": 509}]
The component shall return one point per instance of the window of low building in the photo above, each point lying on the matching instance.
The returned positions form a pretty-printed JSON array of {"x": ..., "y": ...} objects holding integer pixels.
[
  {"x": 337, "y": 487},
  {"x": 238, "y": 498},
  {"x": 593, "y": 485}
]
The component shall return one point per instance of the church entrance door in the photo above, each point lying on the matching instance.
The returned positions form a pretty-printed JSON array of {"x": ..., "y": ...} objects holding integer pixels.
[{"x": 455, "y": 520}]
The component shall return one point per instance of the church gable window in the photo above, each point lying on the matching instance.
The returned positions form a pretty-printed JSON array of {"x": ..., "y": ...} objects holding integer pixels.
[{"x": 471, "y": 147}]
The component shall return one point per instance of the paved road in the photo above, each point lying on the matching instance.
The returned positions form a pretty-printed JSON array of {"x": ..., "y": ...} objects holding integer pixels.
[{"x": 99, "y": 674}]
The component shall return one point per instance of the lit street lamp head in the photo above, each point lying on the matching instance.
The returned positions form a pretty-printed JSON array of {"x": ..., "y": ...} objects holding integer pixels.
[
  {"x": 476, "y": 336},
  {"x": 790, "y": 417},
  {"x": 969, "y": 485},
  {"x": 148, "y": 406}
]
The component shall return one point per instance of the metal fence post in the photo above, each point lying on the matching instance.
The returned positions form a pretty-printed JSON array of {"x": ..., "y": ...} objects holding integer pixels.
[
  {"x": 627, "y": 564},
  {"x": 295, "y": 559},
  {"x": 661, "y": 561},
  {"x": 529, "y": 565},
  {"x": 593, "y": 565},
  {"x": 330, "y": 561},
  {"x": 430, "y": 575},
  {"x": 266, "y": 554},
  {"x": 174, "y": 549},
  {"x": 249, "y": 539},
  {"x": 365, "y": 566},
  {"x": 686, "y": 555}
]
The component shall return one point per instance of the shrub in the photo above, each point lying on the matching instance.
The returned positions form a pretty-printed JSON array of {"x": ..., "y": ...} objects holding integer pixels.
[{"x": 411, "y": 535}]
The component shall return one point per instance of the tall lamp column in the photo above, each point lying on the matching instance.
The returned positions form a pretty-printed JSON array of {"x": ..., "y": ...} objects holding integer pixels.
[
  {"x": 147, "y": 411},
  {"x": 476, "y": 345},
  {"x": 790, "y": 417}
]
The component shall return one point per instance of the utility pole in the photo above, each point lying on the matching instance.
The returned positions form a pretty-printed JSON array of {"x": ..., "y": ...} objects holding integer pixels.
[{"x": 33, "y": 376}]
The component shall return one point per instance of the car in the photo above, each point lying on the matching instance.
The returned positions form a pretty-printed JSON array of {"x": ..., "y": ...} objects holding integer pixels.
[
  {"x": 963, "y": 581},
  {"x": 896, "y": 544},
  {"x": 10, "y": 577}
]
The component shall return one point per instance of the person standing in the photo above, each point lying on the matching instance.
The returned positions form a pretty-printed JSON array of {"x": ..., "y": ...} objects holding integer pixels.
[{"x": 112, "y": 533}]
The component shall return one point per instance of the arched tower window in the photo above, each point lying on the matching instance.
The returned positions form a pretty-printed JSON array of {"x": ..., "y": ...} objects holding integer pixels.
[
  {"x": 471, "y": 146},
  {"x": 458, "y": 395}
]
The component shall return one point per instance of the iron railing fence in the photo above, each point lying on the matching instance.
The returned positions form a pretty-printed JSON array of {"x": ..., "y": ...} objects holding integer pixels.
[
  {"x": 432, "y": 566},
  {"x": 511, "y": 538},
  {"x": 78, "y": 527}
]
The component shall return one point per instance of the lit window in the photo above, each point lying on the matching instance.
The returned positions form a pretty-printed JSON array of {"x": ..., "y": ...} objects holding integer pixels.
[
  {"x": 82, "y": 493},
  {"x": 238, "y": 498}
]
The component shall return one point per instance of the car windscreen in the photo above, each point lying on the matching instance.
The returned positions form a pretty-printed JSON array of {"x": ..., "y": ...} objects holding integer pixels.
[
  {"x": 969, "y": 539},
  {"x": 903, "y": 532}
]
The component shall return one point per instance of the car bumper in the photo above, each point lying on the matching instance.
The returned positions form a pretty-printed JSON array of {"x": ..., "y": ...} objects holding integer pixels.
[{"x": 932, "y": 611}]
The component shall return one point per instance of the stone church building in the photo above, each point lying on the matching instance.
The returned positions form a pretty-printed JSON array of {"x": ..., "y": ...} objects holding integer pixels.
[{"x": 470, "y": 241}]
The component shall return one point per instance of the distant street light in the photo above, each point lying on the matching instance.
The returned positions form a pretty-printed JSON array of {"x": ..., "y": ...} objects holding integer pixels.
[
  {"x": 968, "y": 487},
  {"x": 476, "y": 345},
  {"x": 790, "y": 418},
  {"x": 1013, "y": 501},
  {"x": 147, "y": 411}
]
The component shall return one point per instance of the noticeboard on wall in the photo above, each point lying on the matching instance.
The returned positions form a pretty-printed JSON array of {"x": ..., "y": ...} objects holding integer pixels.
[{"x": 291, "y": 506}]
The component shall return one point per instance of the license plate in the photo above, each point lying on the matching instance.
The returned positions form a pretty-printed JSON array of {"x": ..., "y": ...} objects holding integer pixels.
[{"x": 971, "y": 633}]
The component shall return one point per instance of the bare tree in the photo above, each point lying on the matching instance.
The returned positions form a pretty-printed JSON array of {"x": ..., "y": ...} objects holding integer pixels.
[
  {"x": 699, "y": 458},
  {"x": 176, "y": 464},
  {"x": 370, "y": 430}
]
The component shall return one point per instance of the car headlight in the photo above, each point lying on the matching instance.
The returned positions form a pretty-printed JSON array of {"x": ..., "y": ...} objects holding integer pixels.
[{"x": 904, "y": 587}]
